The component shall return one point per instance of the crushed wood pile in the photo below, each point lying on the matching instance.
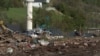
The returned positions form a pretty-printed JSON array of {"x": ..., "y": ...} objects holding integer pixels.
[{"x": 19, "y": 45}]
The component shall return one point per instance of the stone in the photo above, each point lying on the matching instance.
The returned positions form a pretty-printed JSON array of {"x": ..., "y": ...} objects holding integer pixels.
[
  {"x": 85, "y": 44},
  {"x": 10, "y": 50}
]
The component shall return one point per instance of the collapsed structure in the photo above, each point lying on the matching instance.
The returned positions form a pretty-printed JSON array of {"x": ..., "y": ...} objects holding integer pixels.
[{"x": 14, "y": 43}]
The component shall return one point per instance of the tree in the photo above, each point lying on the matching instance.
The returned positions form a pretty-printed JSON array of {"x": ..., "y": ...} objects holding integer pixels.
[
  {"x": 5, "y": 4},
  {"x": 16, "y": 3}
]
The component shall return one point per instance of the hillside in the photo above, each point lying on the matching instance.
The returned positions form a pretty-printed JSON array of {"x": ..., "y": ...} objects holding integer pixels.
[
  {"x": 68, "y": 15},
  {"x": 90, "y": 9}
]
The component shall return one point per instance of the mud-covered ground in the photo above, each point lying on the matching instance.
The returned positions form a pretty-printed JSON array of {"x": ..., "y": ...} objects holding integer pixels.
[{"x": 66, "y": 47}]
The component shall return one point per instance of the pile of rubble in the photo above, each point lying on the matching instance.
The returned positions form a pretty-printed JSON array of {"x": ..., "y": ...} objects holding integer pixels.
[
  {"x": 21, "y": 44},
  {"x": 69, "y": 47},
  {"x": 10, "y": 44}
]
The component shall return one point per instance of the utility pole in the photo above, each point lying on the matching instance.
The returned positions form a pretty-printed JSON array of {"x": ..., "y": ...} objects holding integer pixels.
[
  {"x": 29, "y": 14},
  {"x": 30, "y": 11}
]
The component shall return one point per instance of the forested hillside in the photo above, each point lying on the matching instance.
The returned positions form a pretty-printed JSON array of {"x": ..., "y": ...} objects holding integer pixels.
[
  {"x": 74, "y": 14},
  {"x": 84, "y": 13}
]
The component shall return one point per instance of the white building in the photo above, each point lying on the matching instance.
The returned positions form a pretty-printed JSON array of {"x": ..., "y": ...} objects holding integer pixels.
[
  {"x": 37, "y": 4},
  {"x": 46, "y": 1}
]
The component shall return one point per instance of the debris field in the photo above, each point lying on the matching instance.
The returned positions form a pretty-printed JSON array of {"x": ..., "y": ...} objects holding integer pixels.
[{"x": 19, "y": 45}]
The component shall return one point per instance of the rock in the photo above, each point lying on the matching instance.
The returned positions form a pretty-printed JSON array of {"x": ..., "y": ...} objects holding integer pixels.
[
  {"x": 67, "y": 46},
  {"x": 64, "y": 44},
  {"x": 10, "y": 50},
  {"x": 60, "y": 52},
  {"x": 93, "y": 44},
  {"x": 85, "y": 44},
  {"x": 97, "y": 41},
  {"x": 80, "y": 46},
  {"x": 76, "y": 43},
  {"x": 33, "y": 46},
  {"x": 43, "y": 42}
]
